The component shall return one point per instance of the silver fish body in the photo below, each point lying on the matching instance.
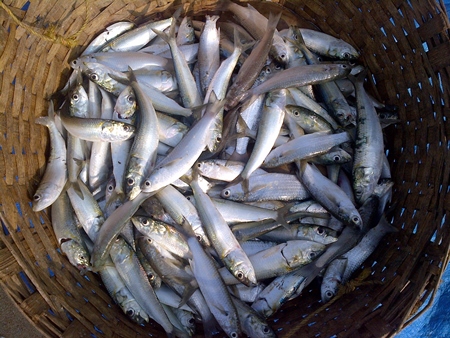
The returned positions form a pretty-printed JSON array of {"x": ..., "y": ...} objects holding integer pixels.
[{"x": 55, "y": 175}]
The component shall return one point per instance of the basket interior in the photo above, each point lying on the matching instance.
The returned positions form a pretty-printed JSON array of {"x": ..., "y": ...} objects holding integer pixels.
[{"x": 405, "y": 46}]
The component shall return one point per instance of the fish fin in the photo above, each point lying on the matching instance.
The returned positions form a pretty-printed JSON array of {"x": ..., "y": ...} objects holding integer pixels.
[
  {"x": 187, "y": 293},
  {"x": 281, "y": 213},
  {"x": 76, "y": 187},
  {"x": 273, "y": 20},
  {"x": 236, "y": 181},
  {"x": 178, "y": 12},
  {"x": 115, "y": 196},
  {"x": 197, "y": 112},
  {"x": 210, "y": 328},
  {"x": 43, "y": 120},
  {"x": 386, "y": 225},
  {"x": 238, "y": 45},
  {"x": 79, "y": 78},
  {"x": 359, "y": 78},
  {"x": 247, "y": 132},
  {"x": 224, "y": 5},
  {"x": 131, "y": 75},
  {"x": 301, "y": 164},
  {"x": 119, "y": 79},
  {"x": 167, "y": 37}
]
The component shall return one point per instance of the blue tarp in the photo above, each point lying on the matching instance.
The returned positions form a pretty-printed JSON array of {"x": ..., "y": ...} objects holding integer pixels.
[{"x": 434, "y": 322}]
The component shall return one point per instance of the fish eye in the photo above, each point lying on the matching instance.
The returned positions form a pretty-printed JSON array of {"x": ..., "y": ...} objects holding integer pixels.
[
  {"x": 94, "y": 77},
  {"x": 233, "y": 335},
  {"x": 130, "y": 181},
  {"x": 74, "y": 62},
  {"x": 226, "y": 193},
  {"x": 218, "y": 139},
  {"x": 239, "y": 274},
  {"x": 37, "y": 197},
  {"x": 149, "y": 240},
  {"x": 151, "y": 276},
  {"x": 126, "y": 128},
  {"x": 283, "y": 56},
  {"x": 81, "y": 257},
  {"x": 268, "y": 70},
  {"x": 75, "y": 97},
  {"x": 130, "y": 313},
  {"x": 336, "y": 158},
  {"x": 145, "y": 221},
  {"x": 347, "y": 55},
  {"x": 329, "y": 294},
  {"x": 191, "y": 321},
  {"x": 130, "y": 98},
  {"x": 344, "y": 66},
  {"x": 266, "y": 329},
  {"x": 199, "y": 238},
  {"x": 356, "y": 220},
  {"x": 320, "y": 230},
  {"x": 110, "y": 187},
  {"x": 296, "y": 113},
  {"x": 147, "y": 183},
  {"x": 295, "y": 36},
  {"x": 312, "y": 254}
]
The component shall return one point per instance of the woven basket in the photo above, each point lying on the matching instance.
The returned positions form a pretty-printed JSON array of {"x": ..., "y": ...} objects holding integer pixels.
[{"x": 405, "y": 46}]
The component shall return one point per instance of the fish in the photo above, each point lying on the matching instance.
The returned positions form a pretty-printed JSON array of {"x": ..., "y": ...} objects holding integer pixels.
[
  {"x": 65, "y": 225},
  {"x": 92, "y": 129},
  {"x": 369, "y": 145},
  {"x": 55, "y": 174}
]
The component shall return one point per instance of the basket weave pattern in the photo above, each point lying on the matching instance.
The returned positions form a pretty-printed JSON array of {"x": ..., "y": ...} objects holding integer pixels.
[{"x": 404, "y": 44}]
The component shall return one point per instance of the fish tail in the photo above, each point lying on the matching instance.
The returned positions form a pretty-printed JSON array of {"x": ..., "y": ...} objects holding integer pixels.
[
  {"x": 359, "y": 78},
  {"x": 167, "y": 37},
  {"x": 131, "y": 75},
  {"x": 76, "y": 187},
  {"x": 281, "y": 214},
  {"x": 43, "y": 120},
  {"x": 236, "y": 181},
  {"x": 386, "y": 226},
  {"x": 187, "y": 293},
  {"x": 273, "y": 21},
  {"x": 115, "y": 196},
  {"x": 209, "y": 327},
  {"x": 224, "y": 5}
]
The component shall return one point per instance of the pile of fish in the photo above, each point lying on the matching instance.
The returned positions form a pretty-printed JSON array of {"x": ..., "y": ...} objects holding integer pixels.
[{"x": 208, "y": 171}]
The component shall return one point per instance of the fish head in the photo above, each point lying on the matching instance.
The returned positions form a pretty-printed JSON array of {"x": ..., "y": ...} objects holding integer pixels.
[
  {"x": 76, "y": 253},
  {"x": 45, "y": 196},
  {"x": 329, "y": 288},
  {"x": 254, "y": 326},
  {"x": 133, "y": 310},
  {"x": 343, "y": 51},
  {"x": 79, "y": 102},
  {"x": 126, "y": 103},
  {"x": 337, "y": 156},
  {"x": 116, "y": 131},
  {"x": 364, "y": 183},
  {"x": 324, "y": 235},
  {"x": 132, "y": 187},
  {"x": 241, "y": 267},
  {"x": 312, "y": 250}
]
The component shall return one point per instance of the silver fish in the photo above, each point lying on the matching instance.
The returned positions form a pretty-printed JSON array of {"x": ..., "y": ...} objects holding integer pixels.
[{"x": 55, "y": 175}]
